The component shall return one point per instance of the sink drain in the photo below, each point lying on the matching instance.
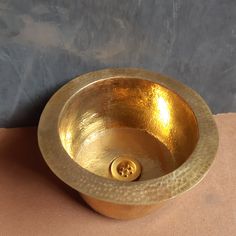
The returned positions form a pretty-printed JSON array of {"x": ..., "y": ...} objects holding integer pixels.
[{"x": 125, "y": 169}]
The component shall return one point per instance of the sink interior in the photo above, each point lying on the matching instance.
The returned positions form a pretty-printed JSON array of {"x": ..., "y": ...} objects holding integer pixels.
[{"x": 130, "y": 122}]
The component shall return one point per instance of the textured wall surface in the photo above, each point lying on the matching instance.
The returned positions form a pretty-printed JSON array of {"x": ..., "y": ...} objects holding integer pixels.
[{"x": 44, "y": 44}]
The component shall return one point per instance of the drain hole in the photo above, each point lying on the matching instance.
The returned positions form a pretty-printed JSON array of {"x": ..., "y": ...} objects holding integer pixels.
[{"x": 126, "y": 169}]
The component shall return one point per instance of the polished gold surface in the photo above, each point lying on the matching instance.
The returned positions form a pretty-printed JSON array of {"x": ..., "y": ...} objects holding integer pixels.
[
  {"x": 128, "y": 117},
  {"x": 127, "y": 139}
]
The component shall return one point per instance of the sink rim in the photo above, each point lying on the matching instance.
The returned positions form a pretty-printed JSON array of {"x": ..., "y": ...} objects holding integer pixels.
[{"x": 133, "y": 193}]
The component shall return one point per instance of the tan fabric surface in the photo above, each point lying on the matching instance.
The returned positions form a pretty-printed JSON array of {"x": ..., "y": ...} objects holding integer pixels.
[{"x": 34, "y": 202}]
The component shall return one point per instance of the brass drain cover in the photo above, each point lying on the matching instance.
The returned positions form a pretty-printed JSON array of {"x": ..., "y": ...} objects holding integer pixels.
[{"x": 125, "y": 169}]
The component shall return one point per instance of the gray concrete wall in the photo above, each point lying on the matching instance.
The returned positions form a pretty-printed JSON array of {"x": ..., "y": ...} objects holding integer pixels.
[{"x": 44, "y": 44}]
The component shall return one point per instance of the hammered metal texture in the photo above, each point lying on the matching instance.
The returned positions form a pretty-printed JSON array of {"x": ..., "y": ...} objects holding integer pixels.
[{"x": 192, "y": 166}]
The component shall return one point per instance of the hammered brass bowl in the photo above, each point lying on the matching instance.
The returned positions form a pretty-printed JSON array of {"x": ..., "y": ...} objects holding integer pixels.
[{"x": 127, "y": 140}]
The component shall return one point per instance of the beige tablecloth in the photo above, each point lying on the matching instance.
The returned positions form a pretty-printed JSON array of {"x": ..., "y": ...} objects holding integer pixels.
[{"x": 34, "y": 202}]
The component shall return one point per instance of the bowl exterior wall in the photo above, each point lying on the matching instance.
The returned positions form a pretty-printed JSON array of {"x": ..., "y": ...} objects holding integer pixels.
[{"x": 118, "y": 211}]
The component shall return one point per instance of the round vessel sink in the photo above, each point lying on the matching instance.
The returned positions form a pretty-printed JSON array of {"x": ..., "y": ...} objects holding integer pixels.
[{"x": 127, "y": 140}]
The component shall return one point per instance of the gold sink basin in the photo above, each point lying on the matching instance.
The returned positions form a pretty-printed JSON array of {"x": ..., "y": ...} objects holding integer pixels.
[{"x": 127, "y": 140}]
